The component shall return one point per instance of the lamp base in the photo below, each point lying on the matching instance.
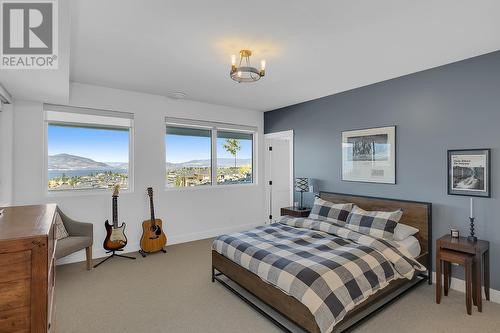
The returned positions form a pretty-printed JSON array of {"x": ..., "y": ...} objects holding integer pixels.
[{"x": 472, "y": 239}]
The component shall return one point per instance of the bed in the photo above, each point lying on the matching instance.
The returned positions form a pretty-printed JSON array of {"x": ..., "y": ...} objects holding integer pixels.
[{"x": 415, "y": 214}]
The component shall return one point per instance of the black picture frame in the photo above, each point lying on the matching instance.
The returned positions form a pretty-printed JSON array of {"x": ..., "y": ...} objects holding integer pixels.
[{"x": 482, "y": 183}]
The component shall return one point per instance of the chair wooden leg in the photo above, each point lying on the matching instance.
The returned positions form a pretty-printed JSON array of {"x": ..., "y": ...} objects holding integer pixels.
[
  {"x": 88, "y": 253},
  {"x": 468, "y": 287}
]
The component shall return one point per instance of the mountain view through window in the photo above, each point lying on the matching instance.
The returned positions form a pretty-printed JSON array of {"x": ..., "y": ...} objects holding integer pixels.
[
  {"x": 189, "y": 157},
  {"x": 85, "y": 158}
]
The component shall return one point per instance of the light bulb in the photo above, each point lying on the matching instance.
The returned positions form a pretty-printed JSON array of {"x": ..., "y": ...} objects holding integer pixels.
[
  {"x": 239, "y": 73},
  {"x": 262, "y": 64},
  {"x": 233, "y": 60}
]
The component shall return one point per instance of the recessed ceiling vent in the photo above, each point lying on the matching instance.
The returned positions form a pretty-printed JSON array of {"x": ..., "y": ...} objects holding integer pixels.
[{"x": 177, "y": 95}]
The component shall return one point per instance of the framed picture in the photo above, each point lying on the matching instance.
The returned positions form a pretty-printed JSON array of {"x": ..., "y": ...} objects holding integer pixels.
[
  {"x": 469, "y": 172},
  {"x": 369, "y": 155}
]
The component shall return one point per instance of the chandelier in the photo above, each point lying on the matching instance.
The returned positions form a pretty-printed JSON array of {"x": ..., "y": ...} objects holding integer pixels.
[{"x": 244, "y": 72}]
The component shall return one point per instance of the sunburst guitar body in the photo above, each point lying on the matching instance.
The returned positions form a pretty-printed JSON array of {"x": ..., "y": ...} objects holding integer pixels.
[
  {"x": 153, "y": 238},
  {"x": 115, "y": 237},
  {"x": 115, "y": 234}
]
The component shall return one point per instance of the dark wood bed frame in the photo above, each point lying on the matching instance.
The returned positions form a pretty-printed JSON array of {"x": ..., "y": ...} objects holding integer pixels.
[{"x": 416, "y": 214}]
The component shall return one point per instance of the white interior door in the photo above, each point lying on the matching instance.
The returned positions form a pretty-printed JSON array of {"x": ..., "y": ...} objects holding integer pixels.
[{"x": 278, "y": 172}]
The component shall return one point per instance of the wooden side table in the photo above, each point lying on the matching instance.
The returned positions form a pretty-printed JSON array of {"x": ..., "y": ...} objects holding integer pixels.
[
  {"x": 446, "y": 258},
  {"x": 481, "y": 264},
  {"x": 294, "y": 211}
]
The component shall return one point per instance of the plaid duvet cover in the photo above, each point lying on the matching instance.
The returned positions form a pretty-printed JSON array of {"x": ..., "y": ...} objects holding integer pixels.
[{"x": 328, "y": 268}]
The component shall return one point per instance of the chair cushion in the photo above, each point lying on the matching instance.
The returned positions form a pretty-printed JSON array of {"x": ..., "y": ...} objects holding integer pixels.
[{"x": 71, "y": 244}]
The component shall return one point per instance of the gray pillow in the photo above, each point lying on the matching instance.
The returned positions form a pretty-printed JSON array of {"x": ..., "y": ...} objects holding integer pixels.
[{"x": 61, "y": 231}]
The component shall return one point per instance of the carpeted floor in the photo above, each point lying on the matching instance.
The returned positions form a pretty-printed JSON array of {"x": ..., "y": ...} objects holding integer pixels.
[{"x": 173, "y": 293}]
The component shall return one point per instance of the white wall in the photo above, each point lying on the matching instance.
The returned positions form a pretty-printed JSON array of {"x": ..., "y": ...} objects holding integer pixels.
[
  {"x": 6, "y": 136},
  {"x": 187, "y": 214}
]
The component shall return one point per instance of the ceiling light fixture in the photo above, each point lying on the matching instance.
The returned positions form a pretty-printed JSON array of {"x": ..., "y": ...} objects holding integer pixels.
[{"x": 244, "y": 72}]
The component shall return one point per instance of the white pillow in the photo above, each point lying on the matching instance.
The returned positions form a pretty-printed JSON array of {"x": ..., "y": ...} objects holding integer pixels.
[{"x": 403, "y": 231}]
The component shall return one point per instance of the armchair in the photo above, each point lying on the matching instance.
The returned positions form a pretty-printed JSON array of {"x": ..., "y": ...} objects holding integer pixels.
[{"x": 81, "y": 236}]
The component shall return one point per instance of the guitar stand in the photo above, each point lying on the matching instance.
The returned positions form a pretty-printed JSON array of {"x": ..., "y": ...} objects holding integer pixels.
[
  {"x": 114, "y": 254},
  {"x": 144, "y": 253}
]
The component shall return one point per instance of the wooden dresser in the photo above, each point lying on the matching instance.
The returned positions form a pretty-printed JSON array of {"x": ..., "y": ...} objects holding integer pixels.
[{"x": 27, "y": 269}]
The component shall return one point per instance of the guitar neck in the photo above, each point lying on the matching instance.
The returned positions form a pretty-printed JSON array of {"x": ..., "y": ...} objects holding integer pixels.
[
  {"x": 115, "y": 212},
  {"x": 152, "y": 208}
]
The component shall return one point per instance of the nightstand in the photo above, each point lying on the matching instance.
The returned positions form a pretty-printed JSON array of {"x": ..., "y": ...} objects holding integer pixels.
[
  {"x": 294, "y": 211},
  {"x": 481, "y": 263}
]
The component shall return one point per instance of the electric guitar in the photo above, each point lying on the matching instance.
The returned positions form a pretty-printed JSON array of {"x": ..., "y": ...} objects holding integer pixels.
[
  {"x": 153, "y": 238},
  {"x": 115, "y": 235}
]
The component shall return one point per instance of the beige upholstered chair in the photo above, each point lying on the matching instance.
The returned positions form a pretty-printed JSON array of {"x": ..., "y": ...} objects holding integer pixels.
[{"x": 81, "y": 236}]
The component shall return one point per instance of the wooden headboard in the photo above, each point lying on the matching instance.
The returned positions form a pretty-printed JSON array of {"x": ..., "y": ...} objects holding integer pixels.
[{"x": 416, "y": 214}]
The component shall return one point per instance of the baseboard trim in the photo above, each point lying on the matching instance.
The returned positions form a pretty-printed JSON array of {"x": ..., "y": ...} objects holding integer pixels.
[
  {"x": 184, "y": 238},
  {"x": 459, "y": 285}
]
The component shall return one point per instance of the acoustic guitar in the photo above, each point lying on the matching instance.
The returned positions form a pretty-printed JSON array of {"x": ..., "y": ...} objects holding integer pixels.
[
  {"x": 115, "y": 235},
  {"x": 153, "y": 238}
]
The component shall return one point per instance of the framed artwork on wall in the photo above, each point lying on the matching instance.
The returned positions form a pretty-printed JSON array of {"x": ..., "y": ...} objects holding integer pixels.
[
  {"x": 469, "y": 172},
  {"x": 369, "y": 155}
]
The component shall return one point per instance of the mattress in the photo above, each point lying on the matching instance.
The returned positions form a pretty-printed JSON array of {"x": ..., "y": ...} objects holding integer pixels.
[{"x": 412, "y": 245}]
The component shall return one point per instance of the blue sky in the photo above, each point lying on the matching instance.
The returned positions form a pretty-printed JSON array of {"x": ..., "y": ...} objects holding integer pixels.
[
  {"x": 104, "y": 145},
  {"x": 186, "y": 148},
  {"x": 101, "y": 145}
]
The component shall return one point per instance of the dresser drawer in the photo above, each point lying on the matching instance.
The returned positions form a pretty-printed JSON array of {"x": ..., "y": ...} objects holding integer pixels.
[
  {"x": 15, "y": 266},
  {"x": 15, "y": 320},
  {"x": 15, "y": 291},
  {"x": 14, "y": 294}
]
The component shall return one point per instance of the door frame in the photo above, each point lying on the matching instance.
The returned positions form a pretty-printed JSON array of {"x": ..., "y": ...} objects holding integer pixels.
[{"x": 286, "y": 135}]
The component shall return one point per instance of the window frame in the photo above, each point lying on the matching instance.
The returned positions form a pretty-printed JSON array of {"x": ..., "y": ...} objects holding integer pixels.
[
  {"x": 214, "y": 127},
  {"x": 90, "y": 118}
]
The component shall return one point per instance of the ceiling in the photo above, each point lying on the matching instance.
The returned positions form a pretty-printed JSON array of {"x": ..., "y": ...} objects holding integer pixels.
[
  {"x": 44, "y": 85},
  {"x": 312, "y": 48}
]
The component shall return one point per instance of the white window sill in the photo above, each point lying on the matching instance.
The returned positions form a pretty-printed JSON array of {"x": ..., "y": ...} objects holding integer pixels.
[
  {"x": 79, "y": 193},
  {"x": 209, "y": 187}
]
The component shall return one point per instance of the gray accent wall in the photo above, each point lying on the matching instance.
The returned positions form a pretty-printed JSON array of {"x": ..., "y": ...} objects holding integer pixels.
[{"x": 456, "y": 106}]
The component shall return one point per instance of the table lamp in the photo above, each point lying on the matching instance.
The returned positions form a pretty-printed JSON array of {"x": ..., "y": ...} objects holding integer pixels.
[{"x": 302, "y": 185}]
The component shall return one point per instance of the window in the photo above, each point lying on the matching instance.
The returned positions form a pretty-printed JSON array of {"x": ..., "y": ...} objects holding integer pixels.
[
  {"x": 190, "y": 148},
  {"x": 87, "y": 151},
  {"x": 188, "y": 156},
  {"x": 234, "y": 157}
]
